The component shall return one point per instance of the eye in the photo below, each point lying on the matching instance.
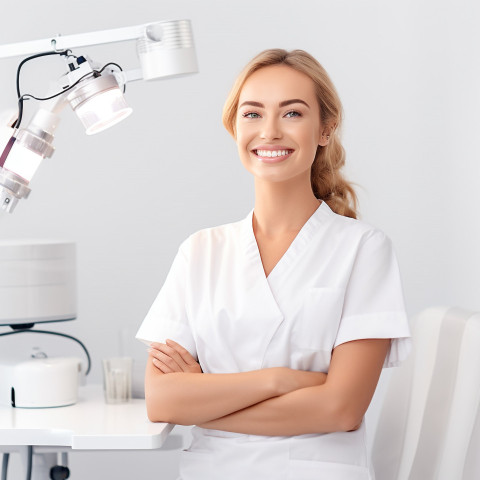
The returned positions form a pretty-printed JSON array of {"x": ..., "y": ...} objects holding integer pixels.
[
  {"x": 250, "y": 115},
  {"x": 293, "y": 113}
]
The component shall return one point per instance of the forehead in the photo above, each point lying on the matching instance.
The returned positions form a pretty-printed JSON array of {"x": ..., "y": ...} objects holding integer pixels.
[{"x": 276, "y": 83}]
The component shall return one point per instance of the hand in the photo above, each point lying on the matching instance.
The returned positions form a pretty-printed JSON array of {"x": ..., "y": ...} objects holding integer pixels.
[{"x": 171, "y": 357}]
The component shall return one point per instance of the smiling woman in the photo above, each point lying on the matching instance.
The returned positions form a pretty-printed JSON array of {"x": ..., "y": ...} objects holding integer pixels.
[
  {"x": 284, "y": 133},
  {"x": 328, "y": 183},
  {"x": 270, "y": 333}
]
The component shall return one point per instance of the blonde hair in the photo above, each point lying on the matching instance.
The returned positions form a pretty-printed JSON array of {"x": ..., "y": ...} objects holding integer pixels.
[{"x": 328, "y": 183}]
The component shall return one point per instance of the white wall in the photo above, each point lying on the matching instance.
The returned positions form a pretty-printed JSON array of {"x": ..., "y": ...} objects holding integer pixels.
[{"x": 407, "y": 73}]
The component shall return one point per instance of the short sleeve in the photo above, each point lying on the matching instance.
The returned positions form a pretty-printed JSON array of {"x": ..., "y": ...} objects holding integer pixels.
[
  {"x": 374, "y": 304},
  {"x": 167, "y": 317}
]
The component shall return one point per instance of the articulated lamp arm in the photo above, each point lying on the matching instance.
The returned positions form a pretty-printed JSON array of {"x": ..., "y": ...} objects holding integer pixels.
[{"x": 165, "y": 49}]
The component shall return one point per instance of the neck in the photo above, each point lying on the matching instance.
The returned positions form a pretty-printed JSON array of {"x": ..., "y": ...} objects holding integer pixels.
[{"x": 282, "y": 208}]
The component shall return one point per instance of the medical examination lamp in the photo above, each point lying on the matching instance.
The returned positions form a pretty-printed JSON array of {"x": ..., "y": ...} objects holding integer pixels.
[{"x": 94, "y": 92}]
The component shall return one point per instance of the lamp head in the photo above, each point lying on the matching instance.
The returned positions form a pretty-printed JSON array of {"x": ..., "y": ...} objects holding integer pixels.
[
  {"x": 167, "y": 50},
  {"x": 99, "y": 103},
  {"x": 21, "y": 154}
]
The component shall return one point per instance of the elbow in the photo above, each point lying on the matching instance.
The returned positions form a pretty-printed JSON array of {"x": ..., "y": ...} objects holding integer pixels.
[
  {"x": 345, "y": 417},
  {"x": 348, "y": 417},
  {"x": 157, "y": 411},
  {"x": 163, "y": 405},
  {"x": 160, "y": 414},
  {"x": 156, "y": 415},
  {"x": 162, "y": 411},
  {"x": 349, "y": 422},
  {"x": 157, "y": 402}
]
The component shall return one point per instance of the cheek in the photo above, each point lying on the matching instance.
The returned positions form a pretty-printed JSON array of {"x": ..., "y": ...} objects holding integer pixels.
[
  {"x": 240, "y": 143},
  {"x": 243, "y": 152},
  {"x": 242, "y": 138},
  {"x": 311, "y": 138},
  {"x": 306, "y": 138}
]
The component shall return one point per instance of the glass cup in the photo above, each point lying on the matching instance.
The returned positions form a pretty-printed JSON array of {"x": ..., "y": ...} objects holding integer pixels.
[{"x": 117, "y": 379}]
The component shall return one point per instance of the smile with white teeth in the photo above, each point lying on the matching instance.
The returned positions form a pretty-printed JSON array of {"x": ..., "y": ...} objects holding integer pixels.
[{"x": 272, "y": 153}]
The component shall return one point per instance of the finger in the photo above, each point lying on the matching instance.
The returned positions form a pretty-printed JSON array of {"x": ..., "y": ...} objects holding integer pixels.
[
  {"x": 183, "y": 352},
  {"x": 157, "y": 349},
  {"x": 161, "y": 366},
  {"x": 171, "y": 352},
  {"x": 166, "y": 359}
]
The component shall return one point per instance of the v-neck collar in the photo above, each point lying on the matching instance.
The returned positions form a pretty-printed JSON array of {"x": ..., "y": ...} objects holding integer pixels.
[{"x": 298, "y": 244}]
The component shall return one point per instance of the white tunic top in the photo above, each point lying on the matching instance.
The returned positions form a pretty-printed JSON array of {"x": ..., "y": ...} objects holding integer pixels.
[{"x": 338, "y": 281}]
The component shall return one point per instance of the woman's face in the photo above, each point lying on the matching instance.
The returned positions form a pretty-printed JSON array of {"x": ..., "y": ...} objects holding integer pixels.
[{"x": 278, "y": 124}]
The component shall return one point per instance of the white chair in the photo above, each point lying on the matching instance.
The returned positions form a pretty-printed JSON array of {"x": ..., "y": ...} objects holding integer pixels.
[{"x": 427, "y": 425}]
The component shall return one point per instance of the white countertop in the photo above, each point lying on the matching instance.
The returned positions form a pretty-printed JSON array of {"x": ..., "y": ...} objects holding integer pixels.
[{"x": 90, "y": 424}]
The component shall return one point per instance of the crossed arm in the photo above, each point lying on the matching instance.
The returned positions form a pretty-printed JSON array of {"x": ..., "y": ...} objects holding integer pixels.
[{"x": 271, "y": 401}]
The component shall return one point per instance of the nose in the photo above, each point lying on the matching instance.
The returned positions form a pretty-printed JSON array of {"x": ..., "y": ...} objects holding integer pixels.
[{"x": 271, "y": 128}]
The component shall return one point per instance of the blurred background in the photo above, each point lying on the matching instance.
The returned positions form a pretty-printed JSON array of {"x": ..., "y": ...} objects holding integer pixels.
[{"x": 408, "y": 75}]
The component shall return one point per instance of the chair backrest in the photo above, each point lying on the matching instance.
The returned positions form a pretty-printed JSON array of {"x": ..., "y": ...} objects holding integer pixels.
[{"x": 432, "y": 401}]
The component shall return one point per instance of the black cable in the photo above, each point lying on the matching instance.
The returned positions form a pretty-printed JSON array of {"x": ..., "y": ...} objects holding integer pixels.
[
  {"x": 6, "y": 457},
  {"x": 108, "y": 64},
  {"x": 25, "y": 60},
  {"x": 119, "y": 67},
  {"x": 47, "y": 332},
  {"x": 27, "y": 96},
  {"x": 29, "y": 462}
]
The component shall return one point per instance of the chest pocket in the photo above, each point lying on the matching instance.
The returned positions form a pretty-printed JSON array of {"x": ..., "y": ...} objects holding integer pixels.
[{"x": 318, "y": 319}]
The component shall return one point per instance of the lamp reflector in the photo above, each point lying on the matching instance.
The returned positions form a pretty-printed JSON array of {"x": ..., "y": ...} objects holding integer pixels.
[
  {"x": 103, "y": 111},
  {"x": 99, "y": 103}
]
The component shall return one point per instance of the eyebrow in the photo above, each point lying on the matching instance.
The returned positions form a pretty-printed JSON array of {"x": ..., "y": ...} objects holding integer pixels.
[{"x": 281, "y": 104}]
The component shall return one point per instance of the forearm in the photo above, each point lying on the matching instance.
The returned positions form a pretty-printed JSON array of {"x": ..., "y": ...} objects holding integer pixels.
[
  {"x": 337, "y": 405},
  {"x": 308, "y": 410},
  {"x": 190, "y": 398}
]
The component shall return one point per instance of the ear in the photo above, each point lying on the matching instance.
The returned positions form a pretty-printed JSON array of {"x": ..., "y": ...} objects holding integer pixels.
[{"x": 326, "y": 133}]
